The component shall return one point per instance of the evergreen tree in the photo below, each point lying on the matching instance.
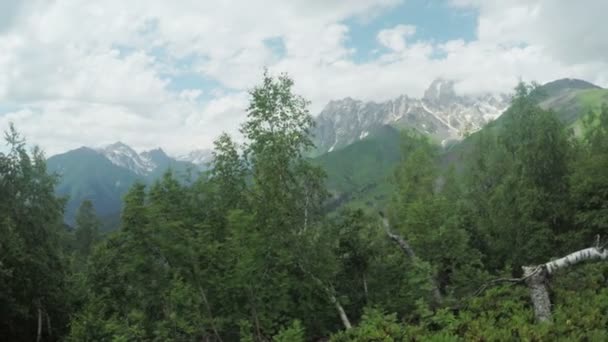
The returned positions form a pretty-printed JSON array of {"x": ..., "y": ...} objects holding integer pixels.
[
  {"x": 522, "y": 191},
  {"x": 87, "y": 228},
  {"x": 426, "y": 211},
  {"x": 590, "y": 180},
  {"x": 32, "y": 266}
]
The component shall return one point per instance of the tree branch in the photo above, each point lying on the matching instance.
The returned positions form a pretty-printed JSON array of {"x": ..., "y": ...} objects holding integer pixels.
[
  {"x": 404, "y": 245},
  {"x": 591, "y": 253},
  {"x": 494, "y": 282},
  {"x": 535, "y": 277},
  {"x": 330, "y": 291},
  {"x": 409, "y": 251}
]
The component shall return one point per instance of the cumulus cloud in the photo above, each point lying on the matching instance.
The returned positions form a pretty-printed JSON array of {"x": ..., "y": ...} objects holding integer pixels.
[
  {"x": 394, "y": 38},
  {"x": 569, "y": 31},
  {"x": 76, "y": 72}
]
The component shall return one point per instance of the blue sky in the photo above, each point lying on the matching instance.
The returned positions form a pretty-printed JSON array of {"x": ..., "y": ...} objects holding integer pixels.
[
  {"x": 435, "y": 21},
  {"x": 175, "y": 74}
]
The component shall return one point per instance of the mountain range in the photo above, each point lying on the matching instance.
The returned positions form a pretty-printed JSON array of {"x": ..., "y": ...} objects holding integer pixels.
[
  {"x": 440, "y": 113},
  {"x": 104, "y": 175},
  {"x": 359, "y": 173},
  {"x": 357, "y": 143}
]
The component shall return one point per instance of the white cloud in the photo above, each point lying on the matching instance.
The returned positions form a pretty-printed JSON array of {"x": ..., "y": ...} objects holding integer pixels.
[
  {"x": 84, "y": 73},
  {"x": 570, "y": 31},
  {"x": 394, "y": 38}
]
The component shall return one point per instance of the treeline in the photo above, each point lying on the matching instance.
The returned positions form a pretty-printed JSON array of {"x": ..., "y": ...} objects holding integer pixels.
[{"x": 248, "y": 252}]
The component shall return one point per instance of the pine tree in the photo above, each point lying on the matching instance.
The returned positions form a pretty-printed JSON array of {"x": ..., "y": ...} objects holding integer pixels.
[{"x": 87, "y": 228}]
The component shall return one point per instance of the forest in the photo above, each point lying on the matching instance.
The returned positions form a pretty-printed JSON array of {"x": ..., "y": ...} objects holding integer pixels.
[{"x": 506, "y": 243}]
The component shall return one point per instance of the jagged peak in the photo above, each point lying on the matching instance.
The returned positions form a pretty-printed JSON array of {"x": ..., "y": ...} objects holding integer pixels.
[
  {"x": 347, "y": 101},
  {"x": 197, "y": 157},
  {"x": 440, "y": 89},
  {"x": 155, "y": 152},
  {"x": 118, "y": 148},
  {"x": 118, "y": 144}
]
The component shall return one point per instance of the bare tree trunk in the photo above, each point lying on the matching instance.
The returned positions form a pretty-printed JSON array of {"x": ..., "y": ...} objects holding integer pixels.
[
  {"x": 404, "y": 245},
  {"x": 39, "y": 331},
  {"x": 341, "y": 312},
  {"x": 254, "y": 313},
  {"x": 365, "y": 288},
  {"x": 306, "y": 211},
  {"x": 591, "y": 253},
  {"x": 332, "y": 298},
  {"x": 536, "y": 279},
  {"x": 409, "y": 252},
  {"x": 213, "y": 327},
  {"x": 48, "y": 324}
]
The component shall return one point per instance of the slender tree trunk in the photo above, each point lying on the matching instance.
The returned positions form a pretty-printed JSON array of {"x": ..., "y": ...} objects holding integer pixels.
[
  {"x": 591, "y": 253},
  {"x": 332, "y": 298},
  {"x": 409, "y": 252},
  {"x": 254, "y": 313},
  {"x": 213, "y": 327},
  {"x": 48, "y": 324},
  {"x": 365, "y": 288},
  {"x": 306, "y": 211},
  {"x": 341, "y": 312},
  {"x": 39, "y": 331},
  {"x": 536, "y": 279},
  {"x": 404, "y": 245}
]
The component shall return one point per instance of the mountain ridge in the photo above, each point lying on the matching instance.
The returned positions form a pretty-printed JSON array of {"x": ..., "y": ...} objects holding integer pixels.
[
  {"x": 104, "y": 175},
  {"x": 441, "y": 113},
  {"x": 356, "y": 171}
]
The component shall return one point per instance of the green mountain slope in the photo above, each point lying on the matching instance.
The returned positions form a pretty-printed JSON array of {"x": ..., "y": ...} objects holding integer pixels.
[
  {"x": 359, "y": 172},
  {"x": 569, "y": 99},
  {"x": 86, "y": 174}
]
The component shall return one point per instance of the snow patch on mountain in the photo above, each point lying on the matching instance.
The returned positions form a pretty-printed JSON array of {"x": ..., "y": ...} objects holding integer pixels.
[
  {"x": 124, "y": 156},
  {"x": 147, "y": 162},
  {"x": 201, "y": 157},
  {"x": 441, "y": 113}
]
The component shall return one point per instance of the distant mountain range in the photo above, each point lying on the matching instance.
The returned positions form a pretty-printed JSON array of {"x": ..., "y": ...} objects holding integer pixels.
[
  {"x": 104, "y": 175},
  {"x": 359, "y": 172},
  {"x": 440, "y": 113},
  {"x": 358, "y": 144}
]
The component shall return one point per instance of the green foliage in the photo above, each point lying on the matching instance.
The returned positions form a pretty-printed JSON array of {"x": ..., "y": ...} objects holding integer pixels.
[
  {"x": 87, "y": 228},
  {"x": 87, "y": 175},
  {"x": 247, "y": 252},
  {"x": 375, "y": 326},
  {"x": 518, "y": 185},
  {"x": 32, "y": 265},
  {"x": 589, "y": 180},
  {"x": 427, "y": 211},
  {"x": 293, "y": 333},
  {"x": 358, "y": 173}
]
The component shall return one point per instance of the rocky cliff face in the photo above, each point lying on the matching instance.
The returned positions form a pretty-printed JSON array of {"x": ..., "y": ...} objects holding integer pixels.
[{"x": 440, "y": 113}]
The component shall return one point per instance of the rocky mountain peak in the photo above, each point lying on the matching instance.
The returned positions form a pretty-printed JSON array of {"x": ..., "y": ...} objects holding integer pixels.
[
  {"x": 200, "y": 157},
  {"x": 440, "y": 114},
  {"x": 440, "y": 90},
  {"x": 123, "y": 155}
]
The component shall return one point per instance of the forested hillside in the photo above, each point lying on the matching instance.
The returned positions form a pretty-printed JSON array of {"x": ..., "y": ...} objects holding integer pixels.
[{"x": 498, "y": 249}]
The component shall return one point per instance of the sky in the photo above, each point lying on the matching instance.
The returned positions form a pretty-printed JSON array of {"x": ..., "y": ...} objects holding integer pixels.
[{"x": 175, "y": 74}]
